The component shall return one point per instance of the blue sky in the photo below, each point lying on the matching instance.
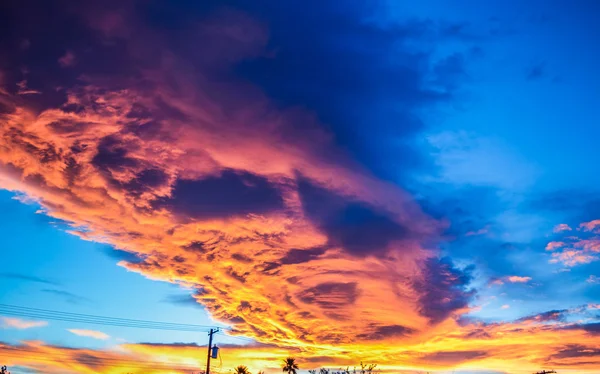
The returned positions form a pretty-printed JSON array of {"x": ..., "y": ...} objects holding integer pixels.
[{"x": 295, "y": 164}]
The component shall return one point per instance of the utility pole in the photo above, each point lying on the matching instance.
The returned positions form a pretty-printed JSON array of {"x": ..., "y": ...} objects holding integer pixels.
[{"x": 210, "y": 336}]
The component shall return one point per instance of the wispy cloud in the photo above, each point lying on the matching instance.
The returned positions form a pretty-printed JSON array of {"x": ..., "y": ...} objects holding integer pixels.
[
  {"x": 592, "y": 279},
  {"x": 90, "y": 334},
  {"x": 28, "y": 278},
  {"x": 510, "y": 279},
  {"x": 67, "y": 296},
  {"x": 561, "y": 227},
  {"x": 21, "y": 324},
  {"x": 518, "y": 279}
]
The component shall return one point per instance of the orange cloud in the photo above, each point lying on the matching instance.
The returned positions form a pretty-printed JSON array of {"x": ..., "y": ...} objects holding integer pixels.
[
  {"x": 518, "y": 279},
  {"x": 90, "y": 334},
  {"x": 17, "y": 323}
]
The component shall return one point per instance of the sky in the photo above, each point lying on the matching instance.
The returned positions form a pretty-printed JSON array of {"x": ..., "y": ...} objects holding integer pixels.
[{"x": 409, "y": 184}]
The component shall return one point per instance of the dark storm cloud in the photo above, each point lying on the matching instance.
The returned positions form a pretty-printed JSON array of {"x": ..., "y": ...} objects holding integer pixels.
[
  {"x": 444, "y": 289},
  {"x": 231, "y": 193},
  {"x": 298, "y": 256},
  {"x": 358, "y": 228},
  {"x": 330, "y": 295},
  {"x": 112, "y": 155}
]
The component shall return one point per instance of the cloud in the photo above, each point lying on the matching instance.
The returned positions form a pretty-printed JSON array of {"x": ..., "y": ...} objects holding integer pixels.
[
  {"x": 183, "y": 300},
  {"x": 517, "y": 347},
  {"x": 518, "y": 279},
  {"x": 551, "y": 246},
  {"x": 68, "y": 59},
  {"x": 481, "y": 231},
  {"x": 591, "y": 226},
  {"x": 561, "y": 227},
  {"x": 90, "y": 334},
  {"x": 453, "y": 357},
  {"x": 238, "y": 166},
  {"x": 576, "y": 250},
  {"x": 28, "y": 278},
  {"x": 20, "y": 324},
  {"x": 549, "y": 316},
  {"x": 228, "y": 194},
  {"x": 510, "y": 279},
  {"x": 190, "y": 171},
  {"x": 443, "y": 289},
  {"x": 68, "y": 296},
  {"x": 505, "y": 306},
  {"x": 592, "y": 279}
]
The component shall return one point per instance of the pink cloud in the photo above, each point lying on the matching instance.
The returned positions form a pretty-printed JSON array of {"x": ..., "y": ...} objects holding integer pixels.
[
  {"x": 67, "y": 60},
  {"x": 591, "y": 225},
  {"x": 554, "y": 245},
  {"x": 573, "y": 257},
  {"x": 20, "y": 324},
  {"x": 518, "y": 279},
  {"x": 561, "y": 227}
]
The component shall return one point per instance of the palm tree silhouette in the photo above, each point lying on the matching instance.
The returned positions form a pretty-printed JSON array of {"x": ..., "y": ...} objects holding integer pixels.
[
  {"x": 290, "y": 366},
  {"x": 241, "y": 370}
]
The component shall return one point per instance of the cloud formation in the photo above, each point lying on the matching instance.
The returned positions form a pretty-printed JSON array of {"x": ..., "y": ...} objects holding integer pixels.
[
  {"x": 577, "y": 249},
  {"x": 255, "y": 197}
]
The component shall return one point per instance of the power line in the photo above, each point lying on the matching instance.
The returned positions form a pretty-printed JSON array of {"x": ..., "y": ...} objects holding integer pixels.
[
  {"x": 19, "y": 311},
  {"x": 238, "y": 337}
]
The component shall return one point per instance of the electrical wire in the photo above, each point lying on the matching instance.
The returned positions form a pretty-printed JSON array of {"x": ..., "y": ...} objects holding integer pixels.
[
  {"x": 19, "y": 311},
  {"x": 238, "y": 337}
]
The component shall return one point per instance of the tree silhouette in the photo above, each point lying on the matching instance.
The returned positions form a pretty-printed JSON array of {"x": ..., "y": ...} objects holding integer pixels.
[
  {"x": 290, "y": 366},
  {"x": 241, "y": 370}
]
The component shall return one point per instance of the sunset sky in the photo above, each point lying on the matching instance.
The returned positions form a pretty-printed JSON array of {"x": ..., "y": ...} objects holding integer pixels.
[{"x": 408, "y": 183}]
